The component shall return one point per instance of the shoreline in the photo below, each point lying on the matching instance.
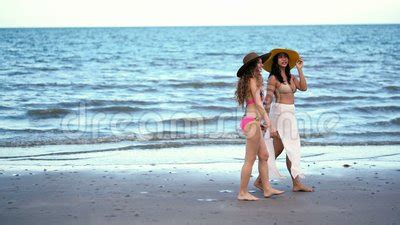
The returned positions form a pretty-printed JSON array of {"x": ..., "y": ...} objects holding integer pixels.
[{"x": 120, "y": 155}]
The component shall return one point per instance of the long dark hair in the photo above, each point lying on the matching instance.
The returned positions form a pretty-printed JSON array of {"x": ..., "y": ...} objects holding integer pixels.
[
  {"x": 242, "y": 88},
  {"x": 276, "y": 71}
]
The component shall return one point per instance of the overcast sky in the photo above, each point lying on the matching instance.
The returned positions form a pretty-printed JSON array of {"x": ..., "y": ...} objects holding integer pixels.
[{"x": 78, "y": 13}]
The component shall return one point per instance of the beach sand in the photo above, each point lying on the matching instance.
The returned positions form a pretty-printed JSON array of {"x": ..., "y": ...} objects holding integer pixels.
[{"x": 352, "y": 191}]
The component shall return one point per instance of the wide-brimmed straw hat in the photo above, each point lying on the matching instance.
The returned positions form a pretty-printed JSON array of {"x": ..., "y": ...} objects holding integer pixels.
[
  {"x": 248, "y": 59},
  {"x": 293, "y": 57}
]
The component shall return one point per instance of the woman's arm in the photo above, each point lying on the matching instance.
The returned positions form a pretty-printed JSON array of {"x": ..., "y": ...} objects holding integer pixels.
[
  {"x": 270, "y": 93},
  {"x": 258, "y": 103},
  {"x": 302, "y": 83},
  {"x": 270, "y": 96}
]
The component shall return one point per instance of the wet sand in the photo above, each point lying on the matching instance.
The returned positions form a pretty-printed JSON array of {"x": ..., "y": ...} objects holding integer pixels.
[{"x": 351, "y": 193}]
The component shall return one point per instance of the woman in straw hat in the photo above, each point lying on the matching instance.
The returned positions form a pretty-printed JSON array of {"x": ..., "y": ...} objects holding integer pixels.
[
  {"x": 248, "y": 92},
  {"x": 282, "y": 85}
]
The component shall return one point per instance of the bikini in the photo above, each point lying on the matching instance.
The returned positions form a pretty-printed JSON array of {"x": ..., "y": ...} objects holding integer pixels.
[
  {"x": 285, "y": 88},
  {"x": 248, "y": 119}
]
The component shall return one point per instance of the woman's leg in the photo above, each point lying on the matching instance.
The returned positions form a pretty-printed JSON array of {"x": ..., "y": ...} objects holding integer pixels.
[
  {"x": 278, "y": 148},
  {"x": 263, "y": 171},
  {"x": 297, "y": 185},
  {"x": 252, "y": 132}
]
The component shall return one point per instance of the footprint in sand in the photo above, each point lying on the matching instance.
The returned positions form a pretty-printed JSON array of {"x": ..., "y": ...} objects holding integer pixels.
[
  {"x": 226, "y": 191},
  {"x": 207, "y": 199}
]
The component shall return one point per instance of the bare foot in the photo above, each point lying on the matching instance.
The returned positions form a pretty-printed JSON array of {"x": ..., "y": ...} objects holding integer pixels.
[
  {"x": 301, "y": 188},
  {"x": 272, "y": 191},
  {"x": 258, "y": 185},
  {"x": 246, "y": 197},
  {"x": 268, "y": 193}
]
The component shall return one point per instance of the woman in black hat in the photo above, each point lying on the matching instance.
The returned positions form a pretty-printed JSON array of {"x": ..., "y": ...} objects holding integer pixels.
[{"x": 248, "y": 92}]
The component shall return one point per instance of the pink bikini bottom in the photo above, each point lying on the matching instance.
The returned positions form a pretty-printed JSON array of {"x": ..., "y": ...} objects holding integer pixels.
[{"x": 246, "y": 120}]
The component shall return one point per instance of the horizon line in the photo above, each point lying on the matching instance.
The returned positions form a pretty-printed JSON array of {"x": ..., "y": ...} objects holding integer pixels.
[{"x": 192, "y": 26}]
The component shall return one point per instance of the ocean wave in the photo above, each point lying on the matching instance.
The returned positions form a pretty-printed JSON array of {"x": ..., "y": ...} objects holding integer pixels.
[
  {"x": 311, "y": 134},
  {"x": 183, "y": 136},
  {"x": 327, "y": 98},
  {"x": 366, "y": 134},
  {"x": 200, "y": 142},
  {"x": 317, "y": 105},
  {"x": 178, "y": 144},
  {"x": 395, "y": 121},
  {"x": 394, "y": 97},
  {"x": 48, "y": 113},
  {"x": 373, "y": 109},
  {"x": 36, "y": 131},
  {"x": 328, "y": 83},
  {"x": 226, "y": 99},
  {"x": 17, "y": 73},
  {"x": 13, "y": 117},
  {"x": 67, "y": 153},
  {"x": 75, "y": 86},
  {"x": 353, "y": 143},
  {"x": 117, "y": 109},
  {"x": 199, "y": 85},
  {"x": 63, "y": 140},
  {"x": 82, "y": 138},
  {"x": 152, "y": 145},
  {"x": 4, "y": 107},
  {"x": 44, "y": 159},
  {"x": 392, "y": 88},
  {"x": 388, "y": 123},
  {"x": 100, "y": 102},
  {"x": 41, "y": 68},
  {"x": 364, "y": 97},
  {"x": 373, "y": 133},
  {"x": 214, "y": 108},
  {"x": 199, "y": 120},
  {"x": 222, "y": 54},
  {"x": 336, "y": 64},
  {"x": 61, "y": 137}
]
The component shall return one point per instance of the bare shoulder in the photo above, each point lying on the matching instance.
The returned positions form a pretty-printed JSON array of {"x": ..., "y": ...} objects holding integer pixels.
[
  {"x": 272, "y": 80},
  {"x": 252, "y": 80}
]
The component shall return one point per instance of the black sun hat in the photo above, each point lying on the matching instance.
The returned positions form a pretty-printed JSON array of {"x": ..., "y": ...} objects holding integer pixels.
[{"x": 248, "y": 59}]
